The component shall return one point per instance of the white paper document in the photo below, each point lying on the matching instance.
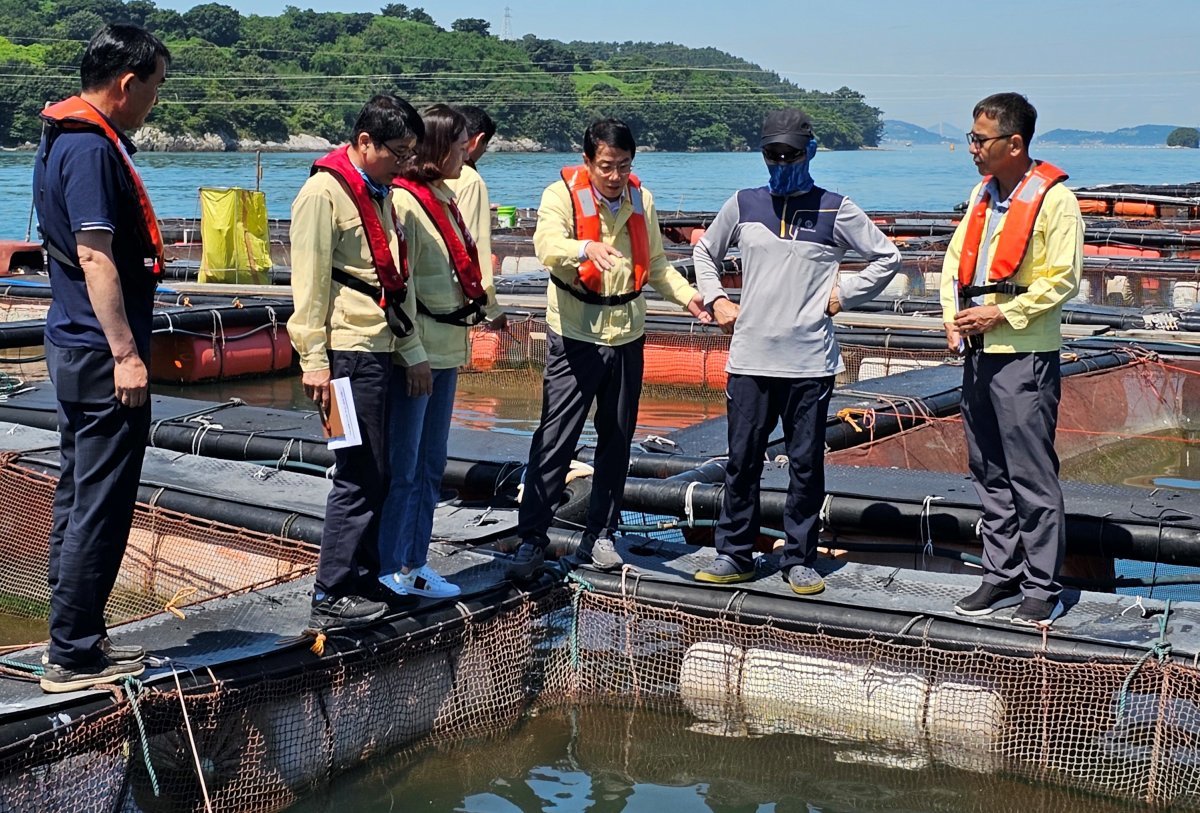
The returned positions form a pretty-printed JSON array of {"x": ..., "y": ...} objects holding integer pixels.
[{"x": 341, "y": 424}]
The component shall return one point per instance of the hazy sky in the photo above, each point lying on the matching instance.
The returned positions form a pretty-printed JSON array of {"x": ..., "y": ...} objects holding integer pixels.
[{"x": 1088, "y": 64}]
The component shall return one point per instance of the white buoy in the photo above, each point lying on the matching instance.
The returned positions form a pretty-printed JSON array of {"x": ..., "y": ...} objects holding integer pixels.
[
  {"x": 785, "y": 692},
  {"x": 1184, "y": 293}
]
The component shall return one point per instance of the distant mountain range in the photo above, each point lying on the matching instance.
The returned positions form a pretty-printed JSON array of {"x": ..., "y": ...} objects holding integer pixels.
[
  {"x": 906, "y": 133},
  {"x": 1144, "y": 135}
]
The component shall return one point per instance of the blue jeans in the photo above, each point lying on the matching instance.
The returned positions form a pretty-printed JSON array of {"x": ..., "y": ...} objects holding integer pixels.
[{"x": 419, "y": 428}]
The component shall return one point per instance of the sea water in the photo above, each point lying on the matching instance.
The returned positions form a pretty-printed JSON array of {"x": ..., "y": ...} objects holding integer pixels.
[{"x": 931, "y": 178}]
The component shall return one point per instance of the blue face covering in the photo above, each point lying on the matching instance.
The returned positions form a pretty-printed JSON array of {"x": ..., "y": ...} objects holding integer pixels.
[
  {"x": 792, "y": 179},
  {"x": 377, "y": 191}
]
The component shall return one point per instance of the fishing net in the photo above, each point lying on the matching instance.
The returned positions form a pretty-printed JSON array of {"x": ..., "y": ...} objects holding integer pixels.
[
  {"x": 171, "y": 558},
  {"x": 1125, "y": 727}
]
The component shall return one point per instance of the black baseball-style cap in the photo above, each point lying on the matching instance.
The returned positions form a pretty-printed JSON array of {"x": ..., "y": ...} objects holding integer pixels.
[{"x": 788, "y": 126}]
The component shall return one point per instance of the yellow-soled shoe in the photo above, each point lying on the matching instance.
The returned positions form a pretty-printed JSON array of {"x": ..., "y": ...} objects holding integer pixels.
[
  {"x": 724, "y": 570},
  {"x": 805, "y": 581}
]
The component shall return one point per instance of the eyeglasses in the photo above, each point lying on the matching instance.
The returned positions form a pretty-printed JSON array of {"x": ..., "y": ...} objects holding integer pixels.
[
  {"x": 974, "y": 140},
  {"x": 783, "y": 156},
  {"x": 623, "y": 168},
  {"x": 403, "y": 155}
]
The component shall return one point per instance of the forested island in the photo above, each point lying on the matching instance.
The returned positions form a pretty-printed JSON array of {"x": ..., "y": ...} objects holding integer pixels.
[{"x": 248, "y": 78}]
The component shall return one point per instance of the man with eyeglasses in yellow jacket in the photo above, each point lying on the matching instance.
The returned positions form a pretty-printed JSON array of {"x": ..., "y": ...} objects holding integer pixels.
[
  {"x": 598, "y": 235},
  {"x": 1015, "y": 258}
]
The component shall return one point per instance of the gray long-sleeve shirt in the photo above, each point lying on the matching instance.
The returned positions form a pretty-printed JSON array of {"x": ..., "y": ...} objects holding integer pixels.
[{"x": 791, "y": 248}]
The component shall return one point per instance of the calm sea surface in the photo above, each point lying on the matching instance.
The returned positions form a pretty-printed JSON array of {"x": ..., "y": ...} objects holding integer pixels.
[
  {"x": 900, "y": 178},
  {"x": 609, "y": 759}
]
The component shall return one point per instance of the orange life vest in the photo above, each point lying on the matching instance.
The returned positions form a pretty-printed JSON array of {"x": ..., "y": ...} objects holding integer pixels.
[
  {"x": 1018, "y": 228},
  {"x": 464, "y": 255},
  {"x": 393, "y": 278},
  {"x": 76, "y": 114},
  {"x": 587, "y": 227}
]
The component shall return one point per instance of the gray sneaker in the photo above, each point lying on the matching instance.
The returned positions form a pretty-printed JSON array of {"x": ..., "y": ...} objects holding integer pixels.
[
  {"x": 603, "y": 556},
  {"x": 805, "y": 581}
]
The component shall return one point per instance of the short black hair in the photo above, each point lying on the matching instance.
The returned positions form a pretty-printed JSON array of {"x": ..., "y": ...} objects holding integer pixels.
[
  {"x": 118, "y": 48},
  {"x": 1012, "y": 112},
  {"x": 387, "y": 117},
  {"x": 613, "y": 132},
  {"x": 478, "y": 121}
]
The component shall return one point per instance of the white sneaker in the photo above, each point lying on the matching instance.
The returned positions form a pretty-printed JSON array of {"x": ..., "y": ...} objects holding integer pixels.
[{"x": 424, "y": 581}]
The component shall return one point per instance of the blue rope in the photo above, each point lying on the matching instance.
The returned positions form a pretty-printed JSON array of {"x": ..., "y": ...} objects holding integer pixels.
[
  {"x": 132, "y": 687},
  {"x": 35, "y": 669},
  {"x": 576, "y": 595},
  {"x": 1160, "y": 649}
]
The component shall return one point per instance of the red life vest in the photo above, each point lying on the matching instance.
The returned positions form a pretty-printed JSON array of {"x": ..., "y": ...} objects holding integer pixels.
[
  {"x": 587, "y": 227},
  {"x": 75, "y": 114},
  {"x": 1018, "y": 225},
  {"x": 464, "y": 254},
  {"x": 393, "y": 280}
]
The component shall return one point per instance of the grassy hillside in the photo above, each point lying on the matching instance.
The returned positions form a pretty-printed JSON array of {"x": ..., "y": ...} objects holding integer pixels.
[{"x": 307, "y": 72}]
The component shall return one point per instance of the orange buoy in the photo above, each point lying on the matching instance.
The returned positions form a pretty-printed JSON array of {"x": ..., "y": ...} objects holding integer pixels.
[
  {"x": 715, "y": 377},
  {"x": 186, "y": 359},
  {"x": 675, "y": 365},
  {"x": 486, "y": 350},
  {"x": 672, "y": 365},
  {"x": 1128, "y": 208},
  {"x": 1091, "y": 206},
  {"x": 696, "y": 235},
  {"x": 1119, "y": 251}
]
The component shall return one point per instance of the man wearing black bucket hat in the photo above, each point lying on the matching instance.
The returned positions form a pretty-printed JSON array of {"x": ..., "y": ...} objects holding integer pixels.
[
  {"x": 783, "y": 355},
  {"x": 1012, "y": 263}
]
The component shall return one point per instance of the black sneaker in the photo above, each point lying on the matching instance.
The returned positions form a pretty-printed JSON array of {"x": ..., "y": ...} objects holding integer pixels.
[
  {"x": 114, "y": 652},
  {"x": 1036, "y": 612},
  {"x": 987, "y": 599},
  {"x": 67, "y": 679},
  {"x": 526, "y": 561},
  {"x": 345, "y": 611}
]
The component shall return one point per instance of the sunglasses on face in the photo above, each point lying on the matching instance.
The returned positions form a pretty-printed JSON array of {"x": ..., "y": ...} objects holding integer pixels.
[{"x": 775, "y": 155}]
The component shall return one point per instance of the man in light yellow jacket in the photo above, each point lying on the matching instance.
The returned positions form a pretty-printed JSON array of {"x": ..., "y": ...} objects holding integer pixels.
[
  {"x": 1012, "y": 263},
  {"x": 346, "y": 258},
  {"x": 598, "y": 235},
  {"x": 471, "y": 195}
]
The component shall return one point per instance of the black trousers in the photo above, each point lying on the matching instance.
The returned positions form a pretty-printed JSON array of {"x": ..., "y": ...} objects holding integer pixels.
[
  {"x": 102, "y": 444},
  {"x": 578, "y": 374},
  {"x": 754, "y": 405},
  {"x": 1010, "y": 413},
  {"x": 350, "y": 540}
]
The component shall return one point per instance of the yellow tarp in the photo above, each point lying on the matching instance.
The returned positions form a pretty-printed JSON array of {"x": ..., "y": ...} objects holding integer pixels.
[{"x": 234, "y": 237}]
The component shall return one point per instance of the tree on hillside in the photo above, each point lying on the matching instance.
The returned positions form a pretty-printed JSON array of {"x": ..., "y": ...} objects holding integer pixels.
[
  {"x": 167, "y": 23},
  {"x": 1184, "y": 137},
  {"x": 402, "y": 12},
  {"x": 548, "y": 55},
  {"x": 214, "y": 22},
  {"x": 471, "y": 25}
]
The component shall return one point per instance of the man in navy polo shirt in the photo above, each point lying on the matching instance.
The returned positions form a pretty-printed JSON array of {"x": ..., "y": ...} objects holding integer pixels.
[{"x": 105, "y": 255}]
